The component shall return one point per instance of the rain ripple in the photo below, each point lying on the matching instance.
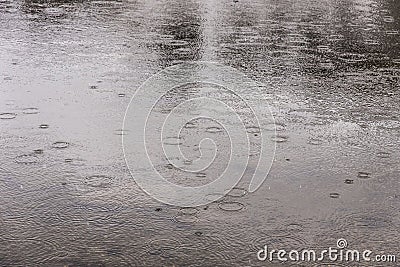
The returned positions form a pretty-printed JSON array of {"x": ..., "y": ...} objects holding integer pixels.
[
  {"x": 30, "y": 111},
  {"x": 27, "y": 159},
  {"x": 231, "y": 206},
  {"x": 60, "y": 145},
  {"x": 8, "y": 116}
]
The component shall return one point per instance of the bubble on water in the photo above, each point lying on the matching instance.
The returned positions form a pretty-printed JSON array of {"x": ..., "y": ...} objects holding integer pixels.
[
  {"x": 8, "y": 116},
  {"x": 237, "y": 192},
  {"x": 198, "y": 233},
  {"x": 388, "y": 19},
  {"x": 334, "y": 195},
  {"x": 214, "y": 130},
  {"x": 393, "y": 32},
  {"x": 170, "y": 166},
  {"x": 253, "y": 130},
  {"x": 280, "y": 139},
  {"x": 43, "y": 126},
  {"x": 60, "y": 145},
  {"x": 38, "y": 151},
  {"x": 30, "y": 111},
  {"x": 364, "y": 175},
  {"x": 383, "y": 155},
  {"x": 186, "y": 218},
  {"x": 231, "y": 206},
  {"x": 349, "y": 181},
  {"x": 27, "y": 159}
]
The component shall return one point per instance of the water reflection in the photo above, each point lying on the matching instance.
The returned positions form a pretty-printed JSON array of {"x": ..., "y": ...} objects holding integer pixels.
[
  {"x": 331, "y": 71},
  {"x": 178, "y": 36}
]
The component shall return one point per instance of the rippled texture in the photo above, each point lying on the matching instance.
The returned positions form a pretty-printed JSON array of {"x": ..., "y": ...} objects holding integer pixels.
[{"x": 68, "y": 69}]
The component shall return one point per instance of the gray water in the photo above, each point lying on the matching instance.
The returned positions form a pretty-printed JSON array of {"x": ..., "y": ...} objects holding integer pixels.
[{"x": 69, "y": 68}]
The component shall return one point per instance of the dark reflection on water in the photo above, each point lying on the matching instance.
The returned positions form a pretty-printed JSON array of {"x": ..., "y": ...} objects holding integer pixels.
[
  {"x": 179, "y": 34},
  {"x": 331, "y": 73}
]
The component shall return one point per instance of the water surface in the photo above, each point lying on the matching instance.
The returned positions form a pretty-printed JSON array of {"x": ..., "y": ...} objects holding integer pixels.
[{"x": 330, "y": 71}]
